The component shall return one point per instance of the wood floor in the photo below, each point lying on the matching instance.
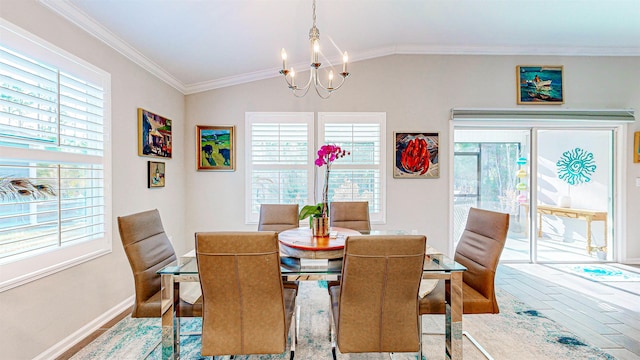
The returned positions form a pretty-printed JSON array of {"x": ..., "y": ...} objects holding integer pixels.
[
  {"x": 603, "y": 314},
  {"x": 69, "y": 353}
]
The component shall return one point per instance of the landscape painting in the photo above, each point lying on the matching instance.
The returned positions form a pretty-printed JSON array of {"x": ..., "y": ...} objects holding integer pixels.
[
  {"x": 154, "y": 134},
  {"x": 416, "y": 156},
  {"x": 215, "y": 147},
  {"x": 540, "y": 85}
]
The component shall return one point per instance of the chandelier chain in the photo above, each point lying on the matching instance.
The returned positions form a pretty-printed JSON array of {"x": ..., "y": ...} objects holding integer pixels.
[{"x": 314, "y": 13}]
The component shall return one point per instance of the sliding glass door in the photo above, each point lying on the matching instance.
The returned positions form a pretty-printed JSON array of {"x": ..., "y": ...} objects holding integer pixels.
[
  {"x": 555, "y": 183},
  {"x": 574, "y": 194}
]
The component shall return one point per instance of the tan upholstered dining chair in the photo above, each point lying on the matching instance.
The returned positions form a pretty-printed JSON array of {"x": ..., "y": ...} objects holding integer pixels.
[
  {"x": 479, "y": 250},
  {"x": 375, "y": 307},
  {"x": 350, "y": 214},
  {"x": 246, "y": 308},
  {"x": 148, "y": 249},
  {"x": 278, "y": 217}
]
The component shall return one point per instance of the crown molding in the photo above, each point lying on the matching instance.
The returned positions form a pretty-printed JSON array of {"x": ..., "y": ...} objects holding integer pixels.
[
  {"x": 516, "y": 50},
  {"x": 76, "y": 16},
  {"x": 70, "y": 12}
]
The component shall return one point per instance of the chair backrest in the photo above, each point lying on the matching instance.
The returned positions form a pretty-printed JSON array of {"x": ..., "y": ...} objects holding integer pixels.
[
  {"x": 378, "y": 306},
  {"x": 278, "y": 217},
  {"x": 479, "y": 249},
  {"x": 243, "y": 310},
  {"x": 350, "y": 214},
  {"x": 148, "y": 249}
]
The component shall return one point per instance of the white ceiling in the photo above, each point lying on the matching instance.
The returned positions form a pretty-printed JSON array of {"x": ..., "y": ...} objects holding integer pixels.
[{"x": 197, "y": 45}]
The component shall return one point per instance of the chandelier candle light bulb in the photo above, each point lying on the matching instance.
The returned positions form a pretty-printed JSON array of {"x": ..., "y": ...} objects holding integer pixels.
[
  {"x": 284, "y": 59},
  {"x": 345, "y": 59}
]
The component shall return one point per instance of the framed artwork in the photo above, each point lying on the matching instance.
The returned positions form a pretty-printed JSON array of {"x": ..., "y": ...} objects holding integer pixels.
[
  {"x": 154, "y": 134},
  {"x": 539, "y": 84},
  {"x": 215, "y": 147},
  {"x": 636, "y": 147},
  {"x": 155, "y": 174},
  {"x": 416, "y": 155}
]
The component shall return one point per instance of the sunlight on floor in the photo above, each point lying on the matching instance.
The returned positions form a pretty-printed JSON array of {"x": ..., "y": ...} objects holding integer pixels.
[{"x": 620, "y": 293}]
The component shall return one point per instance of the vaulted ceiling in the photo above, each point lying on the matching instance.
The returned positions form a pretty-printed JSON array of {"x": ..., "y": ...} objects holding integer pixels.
[{"x": 197, "y": 45}]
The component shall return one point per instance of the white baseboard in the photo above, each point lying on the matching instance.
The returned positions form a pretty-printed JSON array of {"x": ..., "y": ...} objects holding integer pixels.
[
  {"x": 633, "y": 261},
  {"x": 66, "y": 343}
]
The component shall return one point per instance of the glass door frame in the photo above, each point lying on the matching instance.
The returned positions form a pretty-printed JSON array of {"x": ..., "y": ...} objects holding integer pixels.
[{"x": 616, "y": 229}]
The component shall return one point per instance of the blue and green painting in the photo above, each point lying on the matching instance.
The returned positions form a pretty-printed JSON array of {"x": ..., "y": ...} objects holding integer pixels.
[
  {"x": 215, "y": 146},
  {"x": 540, "y": 84}
]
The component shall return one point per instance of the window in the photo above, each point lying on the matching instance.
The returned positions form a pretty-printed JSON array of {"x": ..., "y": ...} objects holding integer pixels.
[
  {"x": 360, "y": 176},
  {"x": 53, "y": 164},
  {"x": 281, "y": 154},
  {"x": 278, "y": 157}
]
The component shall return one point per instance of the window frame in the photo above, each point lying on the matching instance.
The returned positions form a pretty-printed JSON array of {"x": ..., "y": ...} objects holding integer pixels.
[
  {"x": 276, "y": 118},
  {"x": 379, "y": 118},
  {"x": 316, "y": 135},
  {"x": 27, "y": 267}
]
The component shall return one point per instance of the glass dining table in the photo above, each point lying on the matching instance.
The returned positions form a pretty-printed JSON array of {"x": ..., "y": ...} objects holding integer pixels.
[{"x": 436, "y": 266}]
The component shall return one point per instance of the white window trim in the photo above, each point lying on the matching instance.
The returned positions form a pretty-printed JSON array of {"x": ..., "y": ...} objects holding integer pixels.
[
  {"x": 365, "y": 118},
  {"x": 24, "y": 270},
  {"x": 275, "y": 117}
]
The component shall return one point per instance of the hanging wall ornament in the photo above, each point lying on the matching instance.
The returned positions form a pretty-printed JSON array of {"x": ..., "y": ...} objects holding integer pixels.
[{"x": 576, "y": 166}]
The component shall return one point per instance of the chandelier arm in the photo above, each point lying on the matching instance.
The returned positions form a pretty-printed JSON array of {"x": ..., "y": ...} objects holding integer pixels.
[
  {"x": 339, "y": 85},
  {"x": 323, "y": 96},
  {"x": 311, "y": 77},
  {"x": 296, "y": 87},
  {"x": 332, "y": 88},
  {"x": 293, "y": 91}
]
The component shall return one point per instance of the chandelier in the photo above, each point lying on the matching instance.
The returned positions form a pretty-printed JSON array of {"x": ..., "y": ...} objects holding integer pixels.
[{"x": 322, "y": 90}]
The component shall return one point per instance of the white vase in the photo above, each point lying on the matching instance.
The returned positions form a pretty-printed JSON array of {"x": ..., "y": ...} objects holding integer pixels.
[{"x": 564, "y": 201}]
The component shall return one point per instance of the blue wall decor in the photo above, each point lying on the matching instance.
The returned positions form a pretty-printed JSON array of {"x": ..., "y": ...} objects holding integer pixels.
[{"x": 576, "y": 166}]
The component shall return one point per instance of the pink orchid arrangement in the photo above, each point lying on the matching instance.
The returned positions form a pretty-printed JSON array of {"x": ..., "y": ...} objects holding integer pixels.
[{"x": 327, "y": 154}]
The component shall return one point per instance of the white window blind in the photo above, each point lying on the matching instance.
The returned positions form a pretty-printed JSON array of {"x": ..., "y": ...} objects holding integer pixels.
[
  {"x": 53, "y": 208},
  {"x": 278, "y": 158},
  {"x": 361, "y": 175}
]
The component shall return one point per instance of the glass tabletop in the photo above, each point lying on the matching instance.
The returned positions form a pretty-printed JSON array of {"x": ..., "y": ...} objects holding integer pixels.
[{"x": 292, "y": 266}]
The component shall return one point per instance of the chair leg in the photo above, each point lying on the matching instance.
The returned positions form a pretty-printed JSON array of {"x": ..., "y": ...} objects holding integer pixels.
[
  {"x": 297, "y": 315},
  {"x": 420, "y": 335},
  {"x": 477, "y": 345},
  {"x": 294, "y": 331},
  {"x": 332, "y": 335}
]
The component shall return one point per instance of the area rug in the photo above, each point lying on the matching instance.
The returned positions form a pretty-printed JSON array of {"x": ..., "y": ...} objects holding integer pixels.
[
  {"x": 598, "y": 272},
  {"x": 516, "y": 333}
]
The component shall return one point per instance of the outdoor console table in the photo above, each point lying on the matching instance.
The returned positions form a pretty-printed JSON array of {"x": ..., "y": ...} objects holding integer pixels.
[{"x": 587, "y": 215}]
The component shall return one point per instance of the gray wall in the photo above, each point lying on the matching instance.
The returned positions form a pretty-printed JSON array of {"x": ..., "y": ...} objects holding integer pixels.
[{"x": 416, "y": 92}]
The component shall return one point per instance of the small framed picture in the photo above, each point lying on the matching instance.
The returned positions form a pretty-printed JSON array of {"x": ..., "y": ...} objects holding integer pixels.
[
  {"x": 154, "y": 134},
  {"x": 416, "y": 155},
  {"x": 155, "y": 174},
  {"x": 215, "y": 147},
  {"x": 540, "y": 84},
  {"x": 636, "y": 147}
]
